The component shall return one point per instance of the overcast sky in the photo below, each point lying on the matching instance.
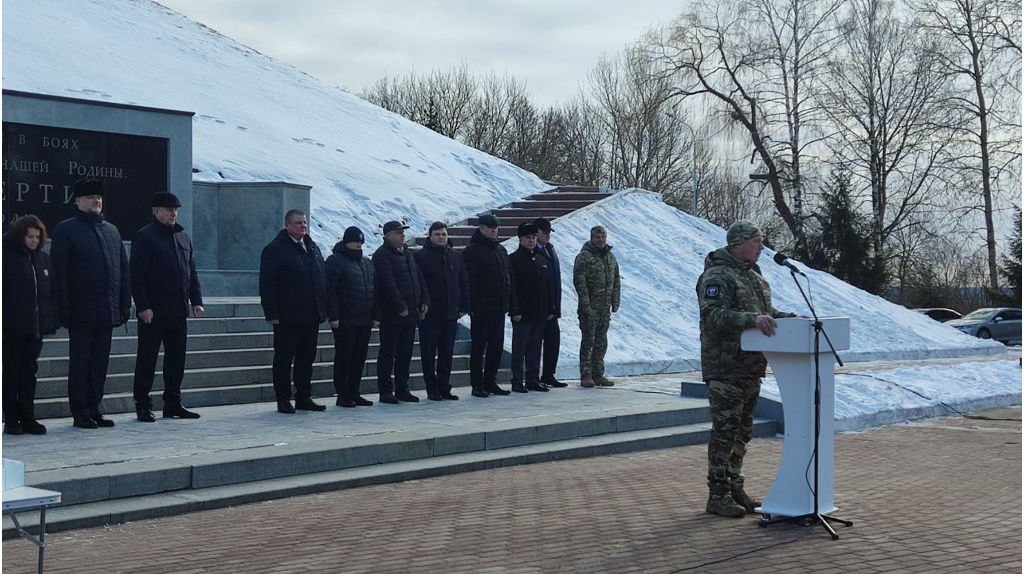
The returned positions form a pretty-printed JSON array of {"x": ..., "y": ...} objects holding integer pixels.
[{"x": 551, "y": 44}]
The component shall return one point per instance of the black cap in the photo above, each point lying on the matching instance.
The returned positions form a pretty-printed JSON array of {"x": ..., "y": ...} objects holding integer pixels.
[
  {"x": 526, "y": 229},
  {"x": 165, "y": 199},
  {"x": 393, "y": 225},
  {"x": 353, "y": 234},
  {"x": 489, "y": 220},
  {"x": 542, "y": 224},
  {"x": 87, "y": 187}
]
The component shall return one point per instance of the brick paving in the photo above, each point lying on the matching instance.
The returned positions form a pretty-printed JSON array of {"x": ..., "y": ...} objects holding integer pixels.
[{"x": 942, "y": 495}]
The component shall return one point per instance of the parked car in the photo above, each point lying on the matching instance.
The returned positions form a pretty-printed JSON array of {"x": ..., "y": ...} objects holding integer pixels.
[
  {"x": 939, "y": 314},
  {"x": 1001, "y": 324}
]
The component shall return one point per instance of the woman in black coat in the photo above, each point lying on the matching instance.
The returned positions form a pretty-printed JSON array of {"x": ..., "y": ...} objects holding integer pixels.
[{"x": 29, "y": 310}]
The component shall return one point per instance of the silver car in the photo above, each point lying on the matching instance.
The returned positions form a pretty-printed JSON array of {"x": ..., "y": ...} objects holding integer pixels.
[{"x": 1001, "y": 324}]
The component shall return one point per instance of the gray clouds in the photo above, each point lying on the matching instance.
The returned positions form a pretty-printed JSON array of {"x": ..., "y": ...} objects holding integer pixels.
[{"x": 549, "y": 44}]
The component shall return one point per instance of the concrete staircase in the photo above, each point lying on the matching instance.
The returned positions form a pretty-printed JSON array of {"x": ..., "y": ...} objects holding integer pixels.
[
  {"x": 563, "y": 200},
  {"x": 228, "y": 361}
]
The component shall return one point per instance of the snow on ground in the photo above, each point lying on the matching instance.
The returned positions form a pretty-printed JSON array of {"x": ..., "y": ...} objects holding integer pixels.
[
  {"x": 256, "y": 119},
  {"x": 661, "y": 253}
]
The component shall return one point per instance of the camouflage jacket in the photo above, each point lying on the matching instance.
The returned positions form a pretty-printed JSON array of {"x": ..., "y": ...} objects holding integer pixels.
[
  {"x": 731, "y": 294},
  {"x": 596, "y": 275}
]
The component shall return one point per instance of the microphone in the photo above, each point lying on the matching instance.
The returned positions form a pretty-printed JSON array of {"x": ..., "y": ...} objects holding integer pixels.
[{"x": 782, "y": 260}]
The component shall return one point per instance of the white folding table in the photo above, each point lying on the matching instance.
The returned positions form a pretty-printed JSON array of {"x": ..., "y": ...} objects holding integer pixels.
[{"x": 27, "y": 498}]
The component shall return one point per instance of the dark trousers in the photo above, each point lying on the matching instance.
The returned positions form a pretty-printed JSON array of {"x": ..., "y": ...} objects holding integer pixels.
[
  {"x": 526, "y": 339},
  {"x": 20, "y": 363},
  {"x": 172, "y": 333},
  {"x": 488, "y": 336},
  {"x": 294, "y": 343},
  {"x": 552, "y": 341},
  {"x": 87, "y": 368},
  {"x": 395, "y": 354},
  {"x": 437, "y": 339},
  {"x": 350, "y": 347}
]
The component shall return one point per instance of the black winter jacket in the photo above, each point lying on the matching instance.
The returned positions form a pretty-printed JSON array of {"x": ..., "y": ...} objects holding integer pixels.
[
  {"x": 447, "y": 281},
  {"x": 555, "y": 269},
  {"x": 164, "y": 276},
  {"x": 490, "y": 276},
  {"x": 534, "y": 296},
  {"x": 91, "y": 271},
  {"x": 400, "y": 286},
  {"x": 293, "y": 288},
  {"x": 350, "y": 287},
  {"x": 30, "y": 293}
]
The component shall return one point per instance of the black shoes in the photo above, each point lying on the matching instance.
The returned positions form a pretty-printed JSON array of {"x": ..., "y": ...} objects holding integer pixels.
[
  {"x": 13, "y": 428},
  {"x": 285, "y": 407},
  {"x": 102, "y": 422},
  {"x": 553, "y": 382},
  {"x": 434, "y": 397},
  {"x": 407, "y": 397},
  {"x": 496, "y": 390},
  {"x": 179, "y": 412},
  {"x": 388, "y": 399},
  {"x": 537, "y": 387},
  {"x": 145, "y": 415},
  {"x": 308, "y": 405},
  {"x": 84, "y": 423},
  {"x": 34, "y": 428},
  {"x": 347, "y": 403},
  {"x": 448, "y": 396},
  {"x": 361, "y": 402},
  {"x": 480, "y": 393},
  {"x": 519, "y": 388}
]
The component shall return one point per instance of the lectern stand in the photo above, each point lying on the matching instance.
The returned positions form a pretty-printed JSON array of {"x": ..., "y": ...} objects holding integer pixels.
[{"x": 803, "y": 487}]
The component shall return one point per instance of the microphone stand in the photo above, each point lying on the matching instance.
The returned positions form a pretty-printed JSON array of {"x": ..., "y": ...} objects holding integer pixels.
[{"x": 814, "y": 517}]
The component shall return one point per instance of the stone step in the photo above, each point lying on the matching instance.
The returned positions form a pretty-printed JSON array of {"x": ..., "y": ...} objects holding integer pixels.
[
  {"x": 221, "y": 376},
  {"x": 549, "y": 213},
  {"x": 127, "y": 344},
  {"x": 136, "y": 490},
  {"x": 50, "y": 367},
  {"x": 552, "y": 203},
  {"x": 589, "y": 197},
  {"x": 510, "y": 222},
  {"x": 204, "y": 326},
  {"x": 577, "y": 189}
]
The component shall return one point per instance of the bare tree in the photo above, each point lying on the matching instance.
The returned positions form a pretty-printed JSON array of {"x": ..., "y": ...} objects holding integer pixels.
[
  {"x": 885, "y": 101},
  {"x": 978, "y": 50}
]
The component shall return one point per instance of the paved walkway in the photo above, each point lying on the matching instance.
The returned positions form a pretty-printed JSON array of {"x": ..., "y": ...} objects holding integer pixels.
[{"x": 942, "y": 495}]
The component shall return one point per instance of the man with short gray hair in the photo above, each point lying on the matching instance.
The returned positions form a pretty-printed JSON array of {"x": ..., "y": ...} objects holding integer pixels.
[
  {"x": 595, "y": 275},
  {"x": 293, "y": 292}
]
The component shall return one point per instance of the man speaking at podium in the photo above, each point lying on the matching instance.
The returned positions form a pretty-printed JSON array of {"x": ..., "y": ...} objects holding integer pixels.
[{"x": 733, "y": 297}]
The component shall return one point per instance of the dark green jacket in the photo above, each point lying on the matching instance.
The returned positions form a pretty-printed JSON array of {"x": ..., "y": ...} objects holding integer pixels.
[
  {"x": 596, "y": 275},
  {"x": 731, "y": 294}
]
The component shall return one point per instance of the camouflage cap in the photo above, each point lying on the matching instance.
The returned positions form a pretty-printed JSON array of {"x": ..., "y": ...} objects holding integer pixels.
[
  {"x": 741, "y": 231},
  {"x": 598, "y": 230}
]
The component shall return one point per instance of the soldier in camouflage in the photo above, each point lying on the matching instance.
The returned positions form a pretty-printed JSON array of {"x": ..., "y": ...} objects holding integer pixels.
[
  {"x": 595, "y": 275},
  {"x": 733, "y": 297}
]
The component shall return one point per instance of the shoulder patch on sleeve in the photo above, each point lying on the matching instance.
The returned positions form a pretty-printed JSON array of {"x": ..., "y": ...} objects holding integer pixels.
[{"x": 712, "y": 291}]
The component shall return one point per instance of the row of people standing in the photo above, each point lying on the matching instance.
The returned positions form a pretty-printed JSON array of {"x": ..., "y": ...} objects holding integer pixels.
[{"x": 87, "y": 284}]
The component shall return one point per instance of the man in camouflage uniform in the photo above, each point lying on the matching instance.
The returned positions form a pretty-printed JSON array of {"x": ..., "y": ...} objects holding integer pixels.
[
  {"x": 733, "y": 297},
  {"x": 596, "y": 277}
]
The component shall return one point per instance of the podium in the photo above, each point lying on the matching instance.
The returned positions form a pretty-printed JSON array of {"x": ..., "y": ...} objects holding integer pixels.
[{"x": 790, "y": 352}]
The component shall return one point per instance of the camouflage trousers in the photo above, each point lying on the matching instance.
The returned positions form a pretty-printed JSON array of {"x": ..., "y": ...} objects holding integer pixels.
[
  {"x": 594, "y": 340},
  {"x": 732, "y": 425}
]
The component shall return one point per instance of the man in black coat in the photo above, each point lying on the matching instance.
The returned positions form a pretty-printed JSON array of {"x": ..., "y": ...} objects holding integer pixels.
[
  {"x": 93, "y": 296},
  {"x": 293, "y": 292},
  {"x": 350, "y": 310},
  {"x": 534, "y": 301},
  {"x": 491, "y": 296},
  {"x": 29, "y": 314},
  {"x": 448, "y": 284},
  {"x": 402, "y": 301},
  {"x": 166, "y": 289},
  {"x": 552, "y": 334}
]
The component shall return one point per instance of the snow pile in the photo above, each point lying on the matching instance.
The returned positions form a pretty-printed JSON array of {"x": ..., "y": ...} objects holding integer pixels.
[
  {"x": 256, "y": 119},
  {"x": 661, "y": 253}
]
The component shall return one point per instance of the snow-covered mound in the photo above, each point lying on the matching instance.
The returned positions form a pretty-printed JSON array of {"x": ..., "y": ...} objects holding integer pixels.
[
  {"x": 661, "y": 253},
  {"x": 256, "y": 119}
]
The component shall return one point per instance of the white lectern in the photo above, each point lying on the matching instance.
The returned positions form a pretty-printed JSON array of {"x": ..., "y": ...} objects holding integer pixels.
[{"x": 791, "y": 354}]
